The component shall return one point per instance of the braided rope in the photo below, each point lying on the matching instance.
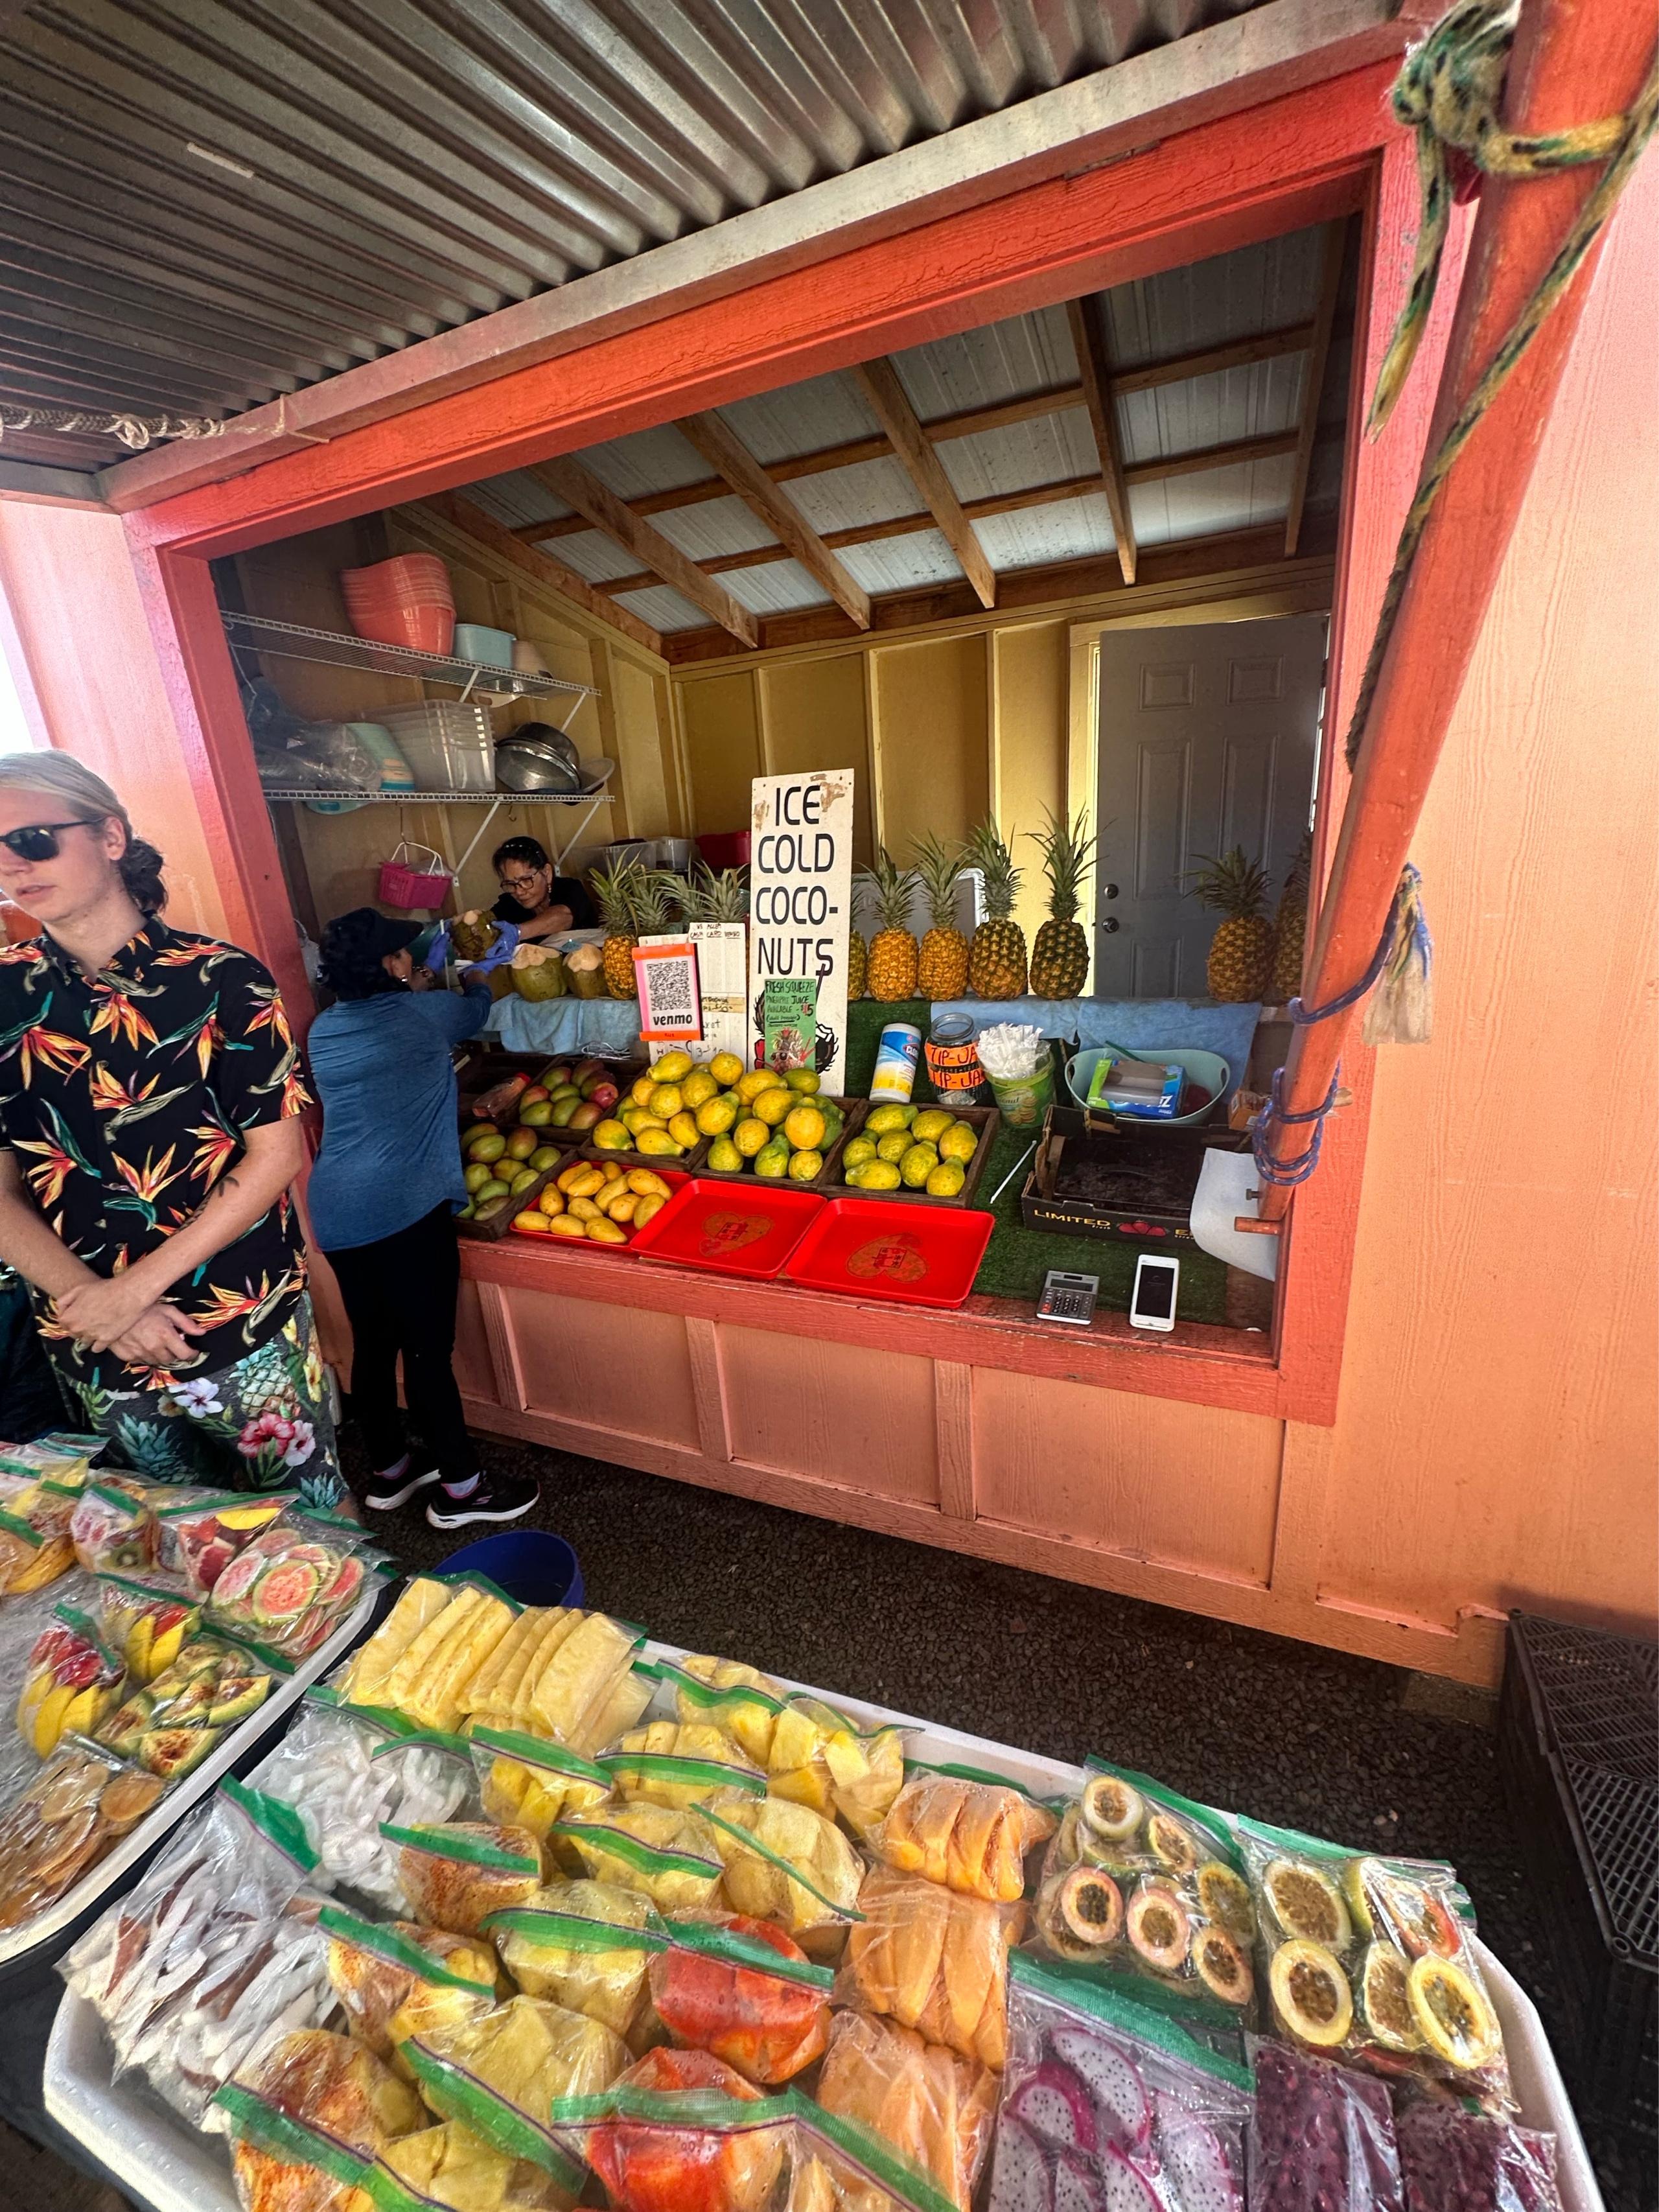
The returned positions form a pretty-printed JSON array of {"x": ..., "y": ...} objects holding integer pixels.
[{"x": 134, "y": 431}]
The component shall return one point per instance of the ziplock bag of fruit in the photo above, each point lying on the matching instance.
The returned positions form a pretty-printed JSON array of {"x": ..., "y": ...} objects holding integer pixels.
[
  {"x": 35, "y": 1545},
  {"x": 738, "y": 1700},
  {"x": 838, "y": 2165},
  {"x": 1111, "y": 2106},
  {"x": 449, "y": 2169},
  {"x": 71, "y": 1682},
  {"x": 532, "y": 1783},
  {"x": 199, "y": 1532},
  {"x": 680, "y": 2131},
  {"x": 113, "y": 1523},
  {"x": 1139, "y": 1877},
  {"x": 292, "y": 1585},
  {"x": 1370, "y": 1960},
  {"x": 670, "y": 1857},
  {"x": 587, "y": 1946},
  {"x": 455, "y": 1872},
  {"x": 930, "y": 2105},
  {"x": 1321, "y": 2136},
  {"x": 933, "y": 1961},
  {"x": 743, "y": 1990},
  {"x": 970, "y": 1832},
  {"x": 147, "y": 1618},
  {"x": 307, "y": 2115},
  {"x": 679, "y": 1764},
  {"x": 496, "y": 2073},
  {"x": 171, "y": 1722},
  {"x": 821, "y": 1757},
  {"x": 395, "y": 1980},
  {"x": 787, "y": 1863},
  {"x": 1451, "y": 2160}
]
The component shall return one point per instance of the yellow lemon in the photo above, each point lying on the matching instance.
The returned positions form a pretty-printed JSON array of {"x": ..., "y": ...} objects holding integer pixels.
[
  {"x": 894, "y": 1146},
  {"x": 665, "y": 1101},
  {"x": 726, "y": 1068},
  {"x": 917, "y": 1165},
  {"x": 724, "y": 1157},
  {"x": 804, "y": 1080},
  {"x": 674, "y": 1066},
  {"x": 684, "y": 1126},
  {"x": 772, "y": 1106},
  {"x": 945, "y": 1180},
  {"x": 716, "y": 1115},
  {"x": 858, "y": 1150},
  {"x": 804, "y": 1128},
  {"x": 750, "y": 1135},
  {"x": 697, "y": 1086},
  {"x": 959, "y": 1142},
  {"x": 805, "y": 1166},
  {"x": 929, "y": 1127},
  {"x": 878, "y": 1174}
]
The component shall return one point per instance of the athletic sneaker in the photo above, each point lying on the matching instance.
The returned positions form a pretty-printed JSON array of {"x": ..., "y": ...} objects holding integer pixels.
[
  {"x": 496, "y": 1497},
  {"x": 390, "y": 1488}
]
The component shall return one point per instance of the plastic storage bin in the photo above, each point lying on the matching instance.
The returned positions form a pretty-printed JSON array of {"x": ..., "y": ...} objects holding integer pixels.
[
  {"x": 1579, "y": 1755},
  {"x": 491, "y": 648},
  {"x": 449, "y": 745},
  {"x": 405, "y": 601}
]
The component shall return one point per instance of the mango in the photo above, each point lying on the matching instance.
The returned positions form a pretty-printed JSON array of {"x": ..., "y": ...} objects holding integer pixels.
[
  {"x": 611, "y": 1137},
  {"x": 772, "y": 1159},
  {"x": 566, "y": 1225},
  {"x": 723, "y": 1156},
  {"x": 931, "y": 1125},
  {"x": 684, "y": 1126},
  {"x": 772, "y": 1107},
  {"x": 674, "y": 1067},
  {"x": 647, "y": 1184},
  {"x": 917, "y": 1165},
  {"x": 551, "y": 1200},
  {"x": 804, "y": 1166},
  {"x": 563, "y": 1109},
  {"x": 715, "y": 1116},
  {"x": 478, "y": 1129},
  {"x": 533, "y": 1222},
  {"x": 620, "y": 1204},
  {"x": 648, "y": 1210},
  {"x": 583, "y": 1209},
  {"x": 523, "y": 1179},
  {"x": 580, "y": 1179},
  {"x": 959, "y": 1142},
  {"x": 894, "y": 1146},
  {"x": 750, "y": 1136},
  {"x": 486, "y": 1191},
  {"x": 606, "y": 1232},
  {"x": 544, "y": 1155},
  {"x": 520, "y": 1143},
  {"x": 476, "y": 1172},
  {"x": 489, "y": 1147},
  {"x": 804, "y": 1128},
  {"x": 726, "y": 1068},
  {"x": 537, "y": 1114},
  {"x": 699, "y": 1086},
  {"x": 946, "y": 1180}
]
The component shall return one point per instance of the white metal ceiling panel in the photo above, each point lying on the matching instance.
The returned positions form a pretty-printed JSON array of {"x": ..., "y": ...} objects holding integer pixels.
[
  {"x": 1045, "y": 451},
  {"x": 649, "y": 460},
  {"x": 778, "y": 588},
  {"x": 1213, "y": 411},
  {"x": 712, "y": 527},
  {"x": 1231, "y": 296},
  {"x": 869, "y": 491},
  {"x": 824, "y": 410},
  {"x": 901, "y": 564},
  {"x": 592, "y": 555},
  {"x": 665, "y": 609},
  {"x": 1244, "y": 497},
  {"x": 1001, "y": 360},
  {"x": 515, "y": 498},
  {"x": 1033, "y": 537}
]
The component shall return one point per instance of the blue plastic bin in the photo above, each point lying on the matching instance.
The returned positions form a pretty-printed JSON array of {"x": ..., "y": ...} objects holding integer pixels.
[{"x": 528, "y": 1563}]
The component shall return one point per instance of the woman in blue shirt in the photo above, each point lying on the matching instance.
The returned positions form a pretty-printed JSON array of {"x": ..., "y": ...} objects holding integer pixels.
[{"x": 383, "y": 1196}]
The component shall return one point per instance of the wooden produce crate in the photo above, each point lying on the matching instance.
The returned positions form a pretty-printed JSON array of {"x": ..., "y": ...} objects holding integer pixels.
[
  {"x": 827, "y": 1176},
  {"x": 497, "y": 1224},
  {"x": 986, "y": 1119},
  {"x": 686, "y": 1163},
  {"x": 1159, "y": 1165}
]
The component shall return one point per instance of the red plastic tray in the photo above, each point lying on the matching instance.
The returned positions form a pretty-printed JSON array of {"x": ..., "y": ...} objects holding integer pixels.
[
  {"x": 730, "y": 1228},
  {"x": 916, "y": 1255},
  {"x": 671, "y": 1177}
]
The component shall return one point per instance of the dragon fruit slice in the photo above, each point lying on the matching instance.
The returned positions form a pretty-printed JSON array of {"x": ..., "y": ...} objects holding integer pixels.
[
  {"x": 1054, "y": 2104},
  {"x": 1020, "y": 2180},
  {"x": 1128, "y": 2188},
  {"x": 1114, "y": 2080},
  {"x": 1196, "y": 2173},
  {"x": 1076, "y": 2188}
]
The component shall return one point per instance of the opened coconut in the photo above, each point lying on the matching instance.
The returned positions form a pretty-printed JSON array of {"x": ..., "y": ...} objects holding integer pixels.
[
  {"x": 538, "y": 972},
  {"x": 585, "y": 966},
  {"x": 473, "y": 933}
]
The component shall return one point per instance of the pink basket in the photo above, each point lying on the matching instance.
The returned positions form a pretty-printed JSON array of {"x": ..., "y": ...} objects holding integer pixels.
[{"x": 403, "y": 884}]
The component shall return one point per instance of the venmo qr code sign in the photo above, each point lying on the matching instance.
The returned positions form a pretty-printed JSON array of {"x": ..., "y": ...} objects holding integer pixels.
[{"x": 670, "y": 1004}]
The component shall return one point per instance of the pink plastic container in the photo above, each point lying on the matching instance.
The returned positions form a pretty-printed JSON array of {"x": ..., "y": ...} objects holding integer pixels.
[{"x": 405, "y": 601}]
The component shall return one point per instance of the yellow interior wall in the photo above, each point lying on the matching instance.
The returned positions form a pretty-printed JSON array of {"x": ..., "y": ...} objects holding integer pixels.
[
  {"x": 931, "y": 740},
  {"x": 812, "y": 716},
  {"x": 1029, "y": 679},
  {"x": 722, "y": 750}
]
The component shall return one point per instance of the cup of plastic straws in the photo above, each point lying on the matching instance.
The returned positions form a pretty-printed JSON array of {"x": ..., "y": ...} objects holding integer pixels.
[{"x": 1019, "y": 1070}]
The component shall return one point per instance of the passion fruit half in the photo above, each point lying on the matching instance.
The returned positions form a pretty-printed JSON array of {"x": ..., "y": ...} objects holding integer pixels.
[
  {"x": 1453, "y": 2015},
  {"x": 1422, "y": 1920},
  {"x": 1169, "y": 1843},
  {"x": 1223, "y": 1898},
  {"x": 1089, "y": 1906},
  {"x": 1311, "y": 1994},
  {"x": 1111, "y": 1808},
  {"x": 1385, "y": 2003},
  {"x": 1159, "y": 1929},
  {"x": 1223, "y": 1967},
  {"x": 1307, "y": 1903}
]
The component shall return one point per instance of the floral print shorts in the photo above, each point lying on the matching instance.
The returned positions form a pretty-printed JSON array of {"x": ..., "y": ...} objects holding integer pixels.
[{"x": 264, "y": 1423}]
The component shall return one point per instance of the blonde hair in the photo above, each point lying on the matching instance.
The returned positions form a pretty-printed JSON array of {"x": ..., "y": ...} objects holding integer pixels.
[{"x": 88, "y": 798}]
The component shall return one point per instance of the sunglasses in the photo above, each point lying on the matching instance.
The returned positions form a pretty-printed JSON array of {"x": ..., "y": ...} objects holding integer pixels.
[{"x": 40, "y": 841}]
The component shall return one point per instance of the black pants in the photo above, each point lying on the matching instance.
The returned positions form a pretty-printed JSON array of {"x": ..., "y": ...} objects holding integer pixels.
[{"x": 400, "y": 1294}]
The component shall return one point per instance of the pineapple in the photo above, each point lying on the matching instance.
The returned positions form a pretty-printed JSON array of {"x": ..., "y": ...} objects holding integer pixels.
[
  {"x": 943, "y": 970},
  {"x": 996, "y": 959},
  {"x": 617, "y": 890},
  {"x": 1060, "y": 959},
  {"x": 705, "y": 897},
  {"x": 1291, "y": 927},
  {"x": 858, "y": 966},
  {"x": 891, "y": 972},
  {"x": 1242, "y": 951}
]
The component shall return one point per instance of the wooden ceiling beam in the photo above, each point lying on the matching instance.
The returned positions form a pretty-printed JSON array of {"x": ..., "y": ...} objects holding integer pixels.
[
  {"x": 1095, "y": 372},
  {"x": 1330, "y": 283},
  {"x": 1202, "y": 459},
  {"x": 724, "y": 451},
  {"x": 578, "y": 487},
  {"x": 541, "y": 567},
  {"x": 889, "y": 404},
  {"x": 1239, "y": 353}
]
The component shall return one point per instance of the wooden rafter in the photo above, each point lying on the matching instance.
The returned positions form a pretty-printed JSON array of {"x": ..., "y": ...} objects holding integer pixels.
[
  {"x": 1095, "y": 371},
  {"x": 879, "y": 382},
  {"x": 724, "y": 451},
  {"x": 578, "y": 487},
  {"x": 541, "y": 567},
  {"x": 1330, "y": 280}
]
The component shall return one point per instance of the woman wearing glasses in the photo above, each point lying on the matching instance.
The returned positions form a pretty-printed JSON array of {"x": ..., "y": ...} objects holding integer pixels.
[{"x": 538, "y": 902}]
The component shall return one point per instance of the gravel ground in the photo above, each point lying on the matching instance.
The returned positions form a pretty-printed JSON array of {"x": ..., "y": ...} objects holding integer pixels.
[{"x": 1346, "y": 1747}]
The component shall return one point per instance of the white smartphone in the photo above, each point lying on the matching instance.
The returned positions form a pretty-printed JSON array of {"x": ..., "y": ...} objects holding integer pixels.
[{"x": 1153, "y": 1303}]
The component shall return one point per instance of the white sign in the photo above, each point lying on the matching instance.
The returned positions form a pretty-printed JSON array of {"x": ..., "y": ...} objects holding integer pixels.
[
  {"x": 722, "y": 972},
  {"x": 800, "y": 892}
]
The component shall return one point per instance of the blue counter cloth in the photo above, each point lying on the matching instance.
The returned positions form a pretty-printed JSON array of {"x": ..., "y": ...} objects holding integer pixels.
[
  {"x": 607, "y": 1027},
  {"x": 1136, "y": 1024},
  {"x": 390, "y": 1137}
]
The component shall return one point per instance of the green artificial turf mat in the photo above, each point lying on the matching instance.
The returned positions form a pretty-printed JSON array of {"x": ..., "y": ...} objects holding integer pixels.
[{"x": 866, "y": 1020}]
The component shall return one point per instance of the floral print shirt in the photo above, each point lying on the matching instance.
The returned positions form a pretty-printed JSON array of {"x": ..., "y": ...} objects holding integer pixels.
[{"x": 124, "y": 1099}]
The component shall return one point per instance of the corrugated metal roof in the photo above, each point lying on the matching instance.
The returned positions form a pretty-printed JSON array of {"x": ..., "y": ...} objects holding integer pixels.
[{"x": 205, "y": 203}]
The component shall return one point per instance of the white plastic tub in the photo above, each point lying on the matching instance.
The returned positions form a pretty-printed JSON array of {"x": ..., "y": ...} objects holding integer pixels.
[{"x": 162, "y": 2163}]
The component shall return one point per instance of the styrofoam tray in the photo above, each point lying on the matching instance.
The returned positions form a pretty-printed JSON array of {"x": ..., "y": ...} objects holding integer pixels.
[
  {"x": 18, "y": 1945},
  {"x": 167, "y": 2166}
]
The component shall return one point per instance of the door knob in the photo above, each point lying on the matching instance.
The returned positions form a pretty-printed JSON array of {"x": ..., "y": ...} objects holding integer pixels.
[
  {"x": 1108, "y": 890},
  {"x": 1111, "y": 923}
]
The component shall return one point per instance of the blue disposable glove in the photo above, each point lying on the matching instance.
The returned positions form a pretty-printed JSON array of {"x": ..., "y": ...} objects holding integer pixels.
[
  {"x": 436, "y": 956},
  {"x": 506, "y": 945}
]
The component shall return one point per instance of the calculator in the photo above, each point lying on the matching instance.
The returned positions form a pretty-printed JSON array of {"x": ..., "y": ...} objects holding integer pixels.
[{"x": 1068, "y": 1297}]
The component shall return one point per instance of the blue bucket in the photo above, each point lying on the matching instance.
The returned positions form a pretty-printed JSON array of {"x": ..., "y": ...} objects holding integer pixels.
[{"x": 528, "y": 1563}]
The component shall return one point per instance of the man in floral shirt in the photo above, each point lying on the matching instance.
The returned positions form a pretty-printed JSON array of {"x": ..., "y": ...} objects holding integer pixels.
[{"x": 149, "y": 1104}]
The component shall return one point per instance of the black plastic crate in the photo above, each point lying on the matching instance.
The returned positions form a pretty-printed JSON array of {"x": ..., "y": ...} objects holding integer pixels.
[{"x": 1578, "y": 1746}]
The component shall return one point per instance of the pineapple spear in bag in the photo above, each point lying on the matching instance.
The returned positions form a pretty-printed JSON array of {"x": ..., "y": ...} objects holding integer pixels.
[
  {"x": 740, "y": 1700},
  {"x": 494, "y": 2075},
  {"x": 670, "y": 1857},
  {"x": 531, "y": 1783}
]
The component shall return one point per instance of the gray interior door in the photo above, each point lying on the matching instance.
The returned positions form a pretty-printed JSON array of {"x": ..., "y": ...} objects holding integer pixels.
[{"x": 1209, "y": 739}]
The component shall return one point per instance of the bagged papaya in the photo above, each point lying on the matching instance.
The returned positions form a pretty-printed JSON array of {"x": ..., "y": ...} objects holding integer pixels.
[
  {"x": 455, "y": 1873},
  {"x": 494, "y": 2075},
  {"x": 449, "y": 2169},
  {"x": 199, "y": 1532},
  {"x": 738, "y": 1700},
  {"x": 71, "y": 1679},
  {"x": 1371, "y": 1960},
  {"x": 670, "y": 1857},
  {"x": 585, "y": 1945},
  {"x": 821, "y": 1758},
  {"x": 968, "y": 1830},
  {"x": 681, "y": 2132},
  {"x": 742, "y": 1990},
  {"x": 147, "y": 1618},
  {"x": 930, "y": 2105},
  {"x": 933, "y": 1961},
  {"x": 113, "y": 1523},
  {"x": 532, "y": 1783},
  {"x": 307, "y": 2116},
  {"x": 680, "y": 1764},
  {"x": 838, "y": 2163},
  {"x": 395, "y": 1980},
  {"x": 293, "y": 1584},
  {"x": 1140, "y": 1879},
  {"x": 787, "y": 1863},
  {"x": 35, "y": 1544},
  {"x": 1108, "y": 2102}
]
